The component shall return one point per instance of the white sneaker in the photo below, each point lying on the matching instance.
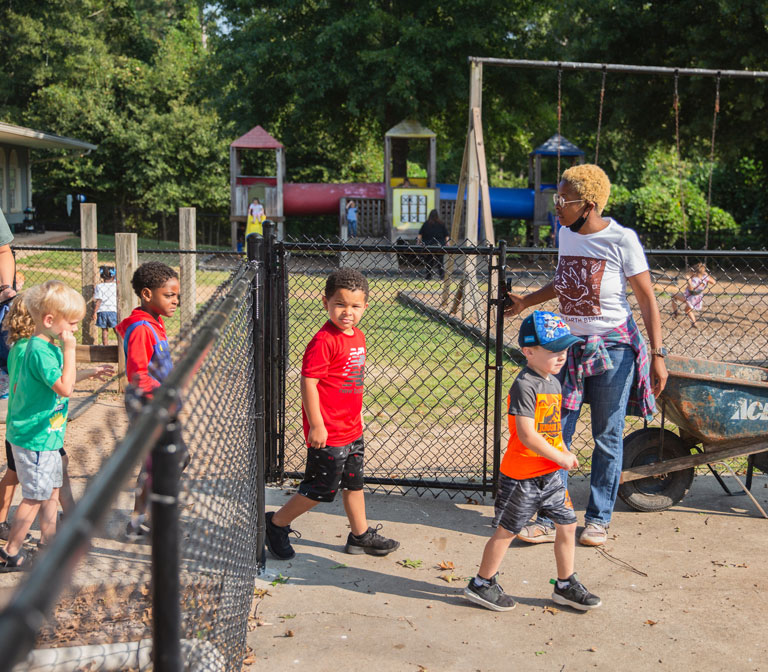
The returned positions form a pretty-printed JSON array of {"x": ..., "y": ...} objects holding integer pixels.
[{"x": 594, "y": 534}]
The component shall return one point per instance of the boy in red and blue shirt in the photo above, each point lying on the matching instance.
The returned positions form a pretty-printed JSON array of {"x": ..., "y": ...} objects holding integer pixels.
[
  {"x": 332, "y": 403},
  {"x": 147, "y": 357}
]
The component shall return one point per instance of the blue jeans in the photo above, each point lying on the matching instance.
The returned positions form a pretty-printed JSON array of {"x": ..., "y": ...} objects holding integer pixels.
[
  {"x": 607, "y": 396},
  {"x": 351, "y": 228}
]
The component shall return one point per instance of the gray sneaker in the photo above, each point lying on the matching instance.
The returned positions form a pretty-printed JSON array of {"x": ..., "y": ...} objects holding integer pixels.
[
  {"x": 575, "y": 595},
  {"x": 491, "y": 596}
]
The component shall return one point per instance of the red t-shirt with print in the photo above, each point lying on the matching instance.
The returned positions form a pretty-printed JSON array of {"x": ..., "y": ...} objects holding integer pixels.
[{"x": 337, "y": 360}]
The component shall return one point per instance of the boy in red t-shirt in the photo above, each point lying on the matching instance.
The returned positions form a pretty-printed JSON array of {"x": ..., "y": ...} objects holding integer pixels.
[
  {"x": 529, "y": 481},
  {"x": 332, "y": 404}
]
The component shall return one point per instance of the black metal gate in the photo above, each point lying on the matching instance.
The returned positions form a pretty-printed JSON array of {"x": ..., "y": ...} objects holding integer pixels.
[{"x": 434, "y": 331}]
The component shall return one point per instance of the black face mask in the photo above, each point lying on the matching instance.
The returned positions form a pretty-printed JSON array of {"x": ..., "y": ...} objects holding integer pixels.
[{"x": 579, "y": 222}]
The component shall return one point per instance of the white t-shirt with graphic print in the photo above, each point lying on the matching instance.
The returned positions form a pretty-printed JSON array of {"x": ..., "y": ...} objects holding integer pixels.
[{"x": 591, "y": 277}]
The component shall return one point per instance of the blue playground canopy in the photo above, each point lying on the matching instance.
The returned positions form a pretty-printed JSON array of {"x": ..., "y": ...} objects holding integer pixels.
[{"x": 549, "y": 148}]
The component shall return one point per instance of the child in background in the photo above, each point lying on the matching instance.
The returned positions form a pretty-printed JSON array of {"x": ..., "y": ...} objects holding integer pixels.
[
  {"x": 147, "y": 360},
  {"x": 351, "y": 219},
  {"x": 105, "y": 302},
  {"x": 698, "y": 282},
  {"x": 38, "y": 412},
  {"x": 256, "y": 217},
  {"x": 332, "y": 404},
  {"x": 529, "y": 482}
]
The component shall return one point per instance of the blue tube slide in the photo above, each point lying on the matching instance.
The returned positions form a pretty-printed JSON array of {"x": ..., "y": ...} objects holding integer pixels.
[{"x": 505, "y": 203}]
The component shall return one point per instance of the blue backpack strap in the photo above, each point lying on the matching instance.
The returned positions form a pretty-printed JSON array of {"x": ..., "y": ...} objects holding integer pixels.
[{"x": 130, "y": 329}]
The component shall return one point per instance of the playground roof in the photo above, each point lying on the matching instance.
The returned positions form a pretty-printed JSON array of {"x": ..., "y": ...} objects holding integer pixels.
[
  {"x": 256, "y": 138},
  {"x": 549, "y": 148},
  {"x": 29, "y": 137},
  {"x": 409, "y": 128}
]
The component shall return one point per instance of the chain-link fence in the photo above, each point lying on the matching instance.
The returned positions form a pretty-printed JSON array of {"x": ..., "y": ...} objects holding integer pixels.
[
  {"x": 430, "y": 338},
  {"x": 428, "y": 390},
  {"x": 38, "y": 264},
  {"x": 93, "y": 599}
]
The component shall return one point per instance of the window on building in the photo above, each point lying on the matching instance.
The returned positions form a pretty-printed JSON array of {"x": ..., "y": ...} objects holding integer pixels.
[{"x": 14, "y": 183}]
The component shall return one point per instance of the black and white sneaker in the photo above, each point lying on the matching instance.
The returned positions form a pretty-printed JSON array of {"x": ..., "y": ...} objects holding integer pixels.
[
  {"x": 491, "y": 596},
  {"x": 575, "y": 595},
  {"x": 277, "y": 539},
  {"x": 371, "y": 543}
]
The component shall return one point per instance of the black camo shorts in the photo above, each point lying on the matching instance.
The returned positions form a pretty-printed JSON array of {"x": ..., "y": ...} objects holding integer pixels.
[
  {"x": 518, "y": 501},
  {"x": 331, "y": 469}
]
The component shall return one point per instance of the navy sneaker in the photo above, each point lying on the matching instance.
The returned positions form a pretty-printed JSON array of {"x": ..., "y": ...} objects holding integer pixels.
[
  {"x": 277, "y": 539},
  {"x": 575, "y": 595},
  {"x": 491, "y": 596},
  {"x": 371, "y": 543}
]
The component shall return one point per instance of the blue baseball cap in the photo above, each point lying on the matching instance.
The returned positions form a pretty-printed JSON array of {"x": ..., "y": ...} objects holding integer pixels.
[{"x": 547, "y": 330}]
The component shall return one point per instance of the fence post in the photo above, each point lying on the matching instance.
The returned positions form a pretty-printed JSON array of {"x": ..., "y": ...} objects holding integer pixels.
[
  {"x": 271, "y": 332},
  {"x": 126, "y": 263},
  {"x": 498, "y": 382},
  {"x": 166, "y": 596},
  {"x": 255, "y": 250},
  {"x": 89, "y": 267},
  {"x": 188, "y": 265}
]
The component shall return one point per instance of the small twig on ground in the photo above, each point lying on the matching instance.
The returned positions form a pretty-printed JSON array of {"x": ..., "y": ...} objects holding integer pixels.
[{"x": 617, "y": 561}]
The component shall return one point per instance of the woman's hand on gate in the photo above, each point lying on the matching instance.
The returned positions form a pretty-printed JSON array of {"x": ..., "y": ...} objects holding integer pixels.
[{"x": 515, "y": 304}]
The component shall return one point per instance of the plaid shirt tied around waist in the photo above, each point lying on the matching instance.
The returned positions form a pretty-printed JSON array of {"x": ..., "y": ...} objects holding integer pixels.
[{"x": 591, "y": 358}]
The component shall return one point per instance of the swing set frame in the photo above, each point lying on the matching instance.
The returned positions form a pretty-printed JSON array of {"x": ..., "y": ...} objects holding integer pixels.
[{"x": 473, "y": 177}]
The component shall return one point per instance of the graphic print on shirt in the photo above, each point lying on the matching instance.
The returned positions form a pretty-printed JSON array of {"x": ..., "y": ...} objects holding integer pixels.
[
  {"x": 577, "y": 283},
  {"x": 354, "y": 370},
  {"x": 547, "y": 418}
]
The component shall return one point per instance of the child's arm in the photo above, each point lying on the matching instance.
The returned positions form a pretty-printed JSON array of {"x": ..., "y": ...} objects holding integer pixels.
[
  {"x": 65, "y": 385},
  {"x": 526, "y": 432},
  {"x": 96, "y": 305},
  {"x": 310, "y": 398},
  {"x": 103, "y": 372}
]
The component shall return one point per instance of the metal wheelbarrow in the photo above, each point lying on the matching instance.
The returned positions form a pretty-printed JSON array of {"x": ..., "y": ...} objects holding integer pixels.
[{"x": 721, "y": 412}]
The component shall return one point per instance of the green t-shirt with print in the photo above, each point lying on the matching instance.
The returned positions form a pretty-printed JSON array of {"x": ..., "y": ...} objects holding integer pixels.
[
  {"x": 15, "y": 359},
  {"x": 38, "y": 416}
]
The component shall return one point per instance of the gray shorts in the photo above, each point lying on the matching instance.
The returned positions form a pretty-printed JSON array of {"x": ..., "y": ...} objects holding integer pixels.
[
  {"x": 39, "y": 472},
  {"x": 518, "y": 501}
]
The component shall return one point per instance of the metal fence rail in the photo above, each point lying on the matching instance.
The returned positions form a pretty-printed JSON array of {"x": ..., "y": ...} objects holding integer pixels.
[{"x": 186, "y": 604}]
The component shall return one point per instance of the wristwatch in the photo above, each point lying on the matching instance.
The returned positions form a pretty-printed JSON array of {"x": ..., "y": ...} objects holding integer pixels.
[{"x": 658, "y": 352}]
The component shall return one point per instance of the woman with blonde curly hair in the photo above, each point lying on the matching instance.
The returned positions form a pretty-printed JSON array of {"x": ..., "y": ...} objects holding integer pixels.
[{"x": 613, "y": 370}]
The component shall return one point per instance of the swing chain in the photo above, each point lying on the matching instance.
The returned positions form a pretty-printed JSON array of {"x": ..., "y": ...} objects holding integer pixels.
[
  {"x": 600, "y": 115},
  {"x": 559, "y": 115},
  {"x": 712, "y": 159},
  {"x": 679, "y": 159}
]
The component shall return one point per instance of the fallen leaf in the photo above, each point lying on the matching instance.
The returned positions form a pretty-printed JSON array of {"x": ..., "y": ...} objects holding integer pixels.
[
  {"x": 446, "y": 564},
  {"x": 592, "y": 649},
  {"x": 261, "y": 592},
  {"x": 280, "y": 579},
  {"x": 448, "y": 578},
  {"x": 287, "y": 616},
  {"x": 289, "y": 633},
  {"x": 411, "y": 564},
  {"x": 551, "y": 610},
  {"x": 341, "y": 565},
  {"x": 650, "y": 622}
]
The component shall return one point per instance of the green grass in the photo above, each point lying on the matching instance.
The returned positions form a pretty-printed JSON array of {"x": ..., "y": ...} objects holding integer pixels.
[{"x": 107, "y": 241}]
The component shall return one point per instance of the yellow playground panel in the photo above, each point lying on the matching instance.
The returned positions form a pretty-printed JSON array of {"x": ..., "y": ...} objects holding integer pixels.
[{"x": 410, "y": 208}]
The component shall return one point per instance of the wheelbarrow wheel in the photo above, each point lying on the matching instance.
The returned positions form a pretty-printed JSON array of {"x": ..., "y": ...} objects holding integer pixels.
[{"x": 655, "y": 493}]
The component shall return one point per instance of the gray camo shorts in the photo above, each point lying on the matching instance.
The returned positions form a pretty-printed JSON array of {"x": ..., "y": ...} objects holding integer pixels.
[{"x": 518, "y": 501}]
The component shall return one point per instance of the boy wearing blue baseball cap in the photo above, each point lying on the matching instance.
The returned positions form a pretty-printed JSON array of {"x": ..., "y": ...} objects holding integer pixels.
[{"x": 529, "y": 481}]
